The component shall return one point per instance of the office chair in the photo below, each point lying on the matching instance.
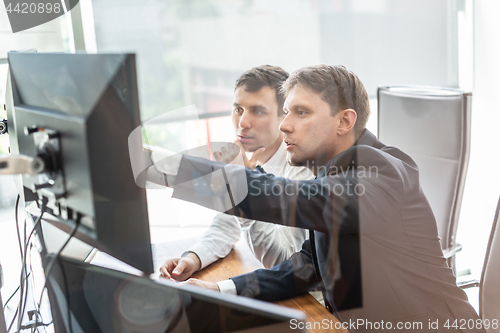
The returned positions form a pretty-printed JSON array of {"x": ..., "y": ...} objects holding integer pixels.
[
  {"x": 489, "y": 288},
  {"x": 432, "y": 125}
]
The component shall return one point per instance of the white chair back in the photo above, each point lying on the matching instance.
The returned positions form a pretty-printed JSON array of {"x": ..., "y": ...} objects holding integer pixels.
[
  {"x": 432, "y": 125},
  {"x": 489, "y": 296}
]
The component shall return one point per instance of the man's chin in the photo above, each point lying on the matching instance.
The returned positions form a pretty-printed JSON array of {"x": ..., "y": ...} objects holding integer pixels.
[
  {"x": 249, "y": 148},
  {"x": 294, "y": 161}
]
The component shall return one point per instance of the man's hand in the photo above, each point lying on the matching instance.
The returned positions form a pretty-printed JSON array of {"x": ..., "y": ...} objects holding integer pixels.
[
  {"x": 228, "y": 154},
  {"x": 202, "y": 284},
  {"x": 180, "y": 269},
  {"x": 233, "y": 155}
]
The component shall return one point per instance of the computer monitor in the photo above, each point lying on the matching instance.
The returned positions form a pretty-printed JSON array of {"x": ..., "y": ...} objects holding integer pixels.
[
  {"x": 76, "y": 112},
  {"x": 94, "y": 299}
]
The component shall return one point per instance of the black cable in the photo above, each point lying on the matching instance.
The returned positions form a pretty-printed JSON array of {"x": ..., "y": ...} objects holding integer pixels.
[
  {"x": 70, "y": 322},
  {"x": 13, "y": 319},
  {"x": 13, "y": 294},
  {"x": 33, "y": 327},
  {"x": 21, "y": 253},
  {"x": 26, "y": 281},
  {"x": 49, "y": 268},
  {"x": 20, "y": 246},
  {"x": 27, "y": 244},
  {"x": 42, "y": 324},
  {"x": 21, "y": 287},
  {"x": 23, "y": 268},
  {"x": 26, "y": 252},
  {"x": 17, "y": 227},
  {"x": 51, "y": 263},
  {"x": 47, "y": 271},
  {"x": 21, "y": 282}
]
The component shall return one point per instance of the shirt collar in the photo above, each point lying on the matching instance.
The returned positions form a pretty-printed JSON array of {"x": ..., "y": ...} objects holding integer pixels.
[{"x": 278, "y": 158}]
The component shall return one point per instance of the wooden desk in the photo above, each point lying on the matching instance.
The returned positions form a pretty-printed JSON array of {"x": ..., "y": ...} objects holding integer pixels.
[{"x": 241, "y": 261}]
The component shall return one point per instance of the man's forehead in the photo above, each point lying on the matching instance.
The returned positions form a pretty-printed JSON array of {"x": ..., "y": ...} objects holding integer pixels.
[
  {"x": 243, "y": 90},
  {"x": 261, "y": 97},
  {"x": 300, "y": 96}
]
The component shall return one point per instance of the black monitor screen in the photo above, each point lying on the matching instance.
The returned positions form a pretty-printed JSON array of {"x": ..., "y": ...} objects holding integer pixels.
[
  {"x": 77, "y": 111},
  {"x": 86, "y": 298}
]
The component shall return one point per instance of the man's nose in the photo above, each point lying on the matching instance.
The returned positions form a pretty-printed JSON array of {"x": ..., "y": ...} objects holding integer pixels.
[
  {"x": 245, "y": 121},
  {"x": 286, "y": 125}
]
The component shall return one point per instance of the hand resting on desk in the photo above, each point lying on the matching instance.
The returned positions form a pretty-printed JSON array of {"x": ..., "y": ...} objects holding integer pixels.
[
  {"x": 180, "y": 269},
  {"x": 202, "y": 284}
]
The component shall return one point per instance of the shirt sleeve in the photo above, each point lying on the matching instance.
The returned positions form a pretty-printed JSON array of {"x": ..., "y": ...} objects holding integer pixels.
[
  {"x": 227, "y": 287},
  {"x": 166, "y": 161},
  {"x": 218, "y": 240},
  {"x": 271, "y": 243}
]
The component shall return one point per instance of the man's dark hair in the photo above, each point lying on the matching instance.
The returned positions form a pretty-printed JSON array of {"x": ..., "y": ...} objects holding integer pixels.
[
  {"x": 337, "y": 86},
  {"x": 256, "y": 78}
]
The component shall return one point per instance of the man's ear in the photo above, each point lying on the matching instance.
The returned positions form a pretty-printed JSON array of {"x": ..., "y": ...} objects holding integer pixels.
[{"x": 347, "y": 120}]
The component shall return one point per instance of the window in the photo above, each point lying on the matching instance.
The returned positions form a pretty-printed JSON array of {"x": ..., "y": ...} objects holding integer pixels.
[{"x": 191, "y": 52}]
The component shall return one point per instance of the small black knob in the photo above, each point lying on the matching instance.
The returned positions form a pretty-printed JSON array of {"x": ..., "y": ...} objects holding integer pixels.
[
  {"x": 37, "y": 187},
  {"x": 31, "y": 130},
  {"x": 54, "y": 135},
  {"x": 3, "y": 126}
]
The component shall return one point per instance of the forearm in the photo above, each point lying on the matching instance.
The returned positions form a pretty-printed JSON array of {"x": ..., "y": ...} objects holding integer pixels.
[
  {"x": 244, "y": 193},
  {"x": 237, "y": 190},
  {"x": 289, "y": 279},
  {"x": 248, "y": 194}
]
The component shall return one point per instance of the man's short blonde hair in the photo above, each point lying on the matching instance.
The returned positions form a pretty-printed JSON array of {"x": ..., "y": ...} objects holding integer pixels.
[{"x": 337, "y": 86}]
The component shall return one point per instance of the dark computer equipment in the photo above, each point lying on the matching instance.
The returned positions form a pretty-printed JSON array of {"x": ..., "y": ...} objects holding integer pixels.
[
  {"x": 74, "y": 113},
  {"x": 95, "y": 299}
]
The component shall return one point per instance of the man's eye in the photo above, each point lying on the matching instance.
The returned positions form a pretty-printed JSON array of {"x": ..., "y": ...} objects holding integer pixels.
[
  {"x": 238, "y": 110},
  {"x": 301, "y": 113}
]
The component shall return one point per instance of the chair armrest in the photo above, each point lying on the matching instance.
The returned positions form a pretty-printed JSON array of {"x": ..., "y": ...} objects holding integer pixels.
[
  {"x": 468, "y": 284},
  {"x": 451, "y": 251}
]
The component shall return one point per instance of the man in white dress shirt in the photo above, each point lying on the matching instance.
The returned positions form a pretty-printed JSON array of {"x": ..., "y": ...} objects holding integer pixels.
[{"x": 257, "y": 113}]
